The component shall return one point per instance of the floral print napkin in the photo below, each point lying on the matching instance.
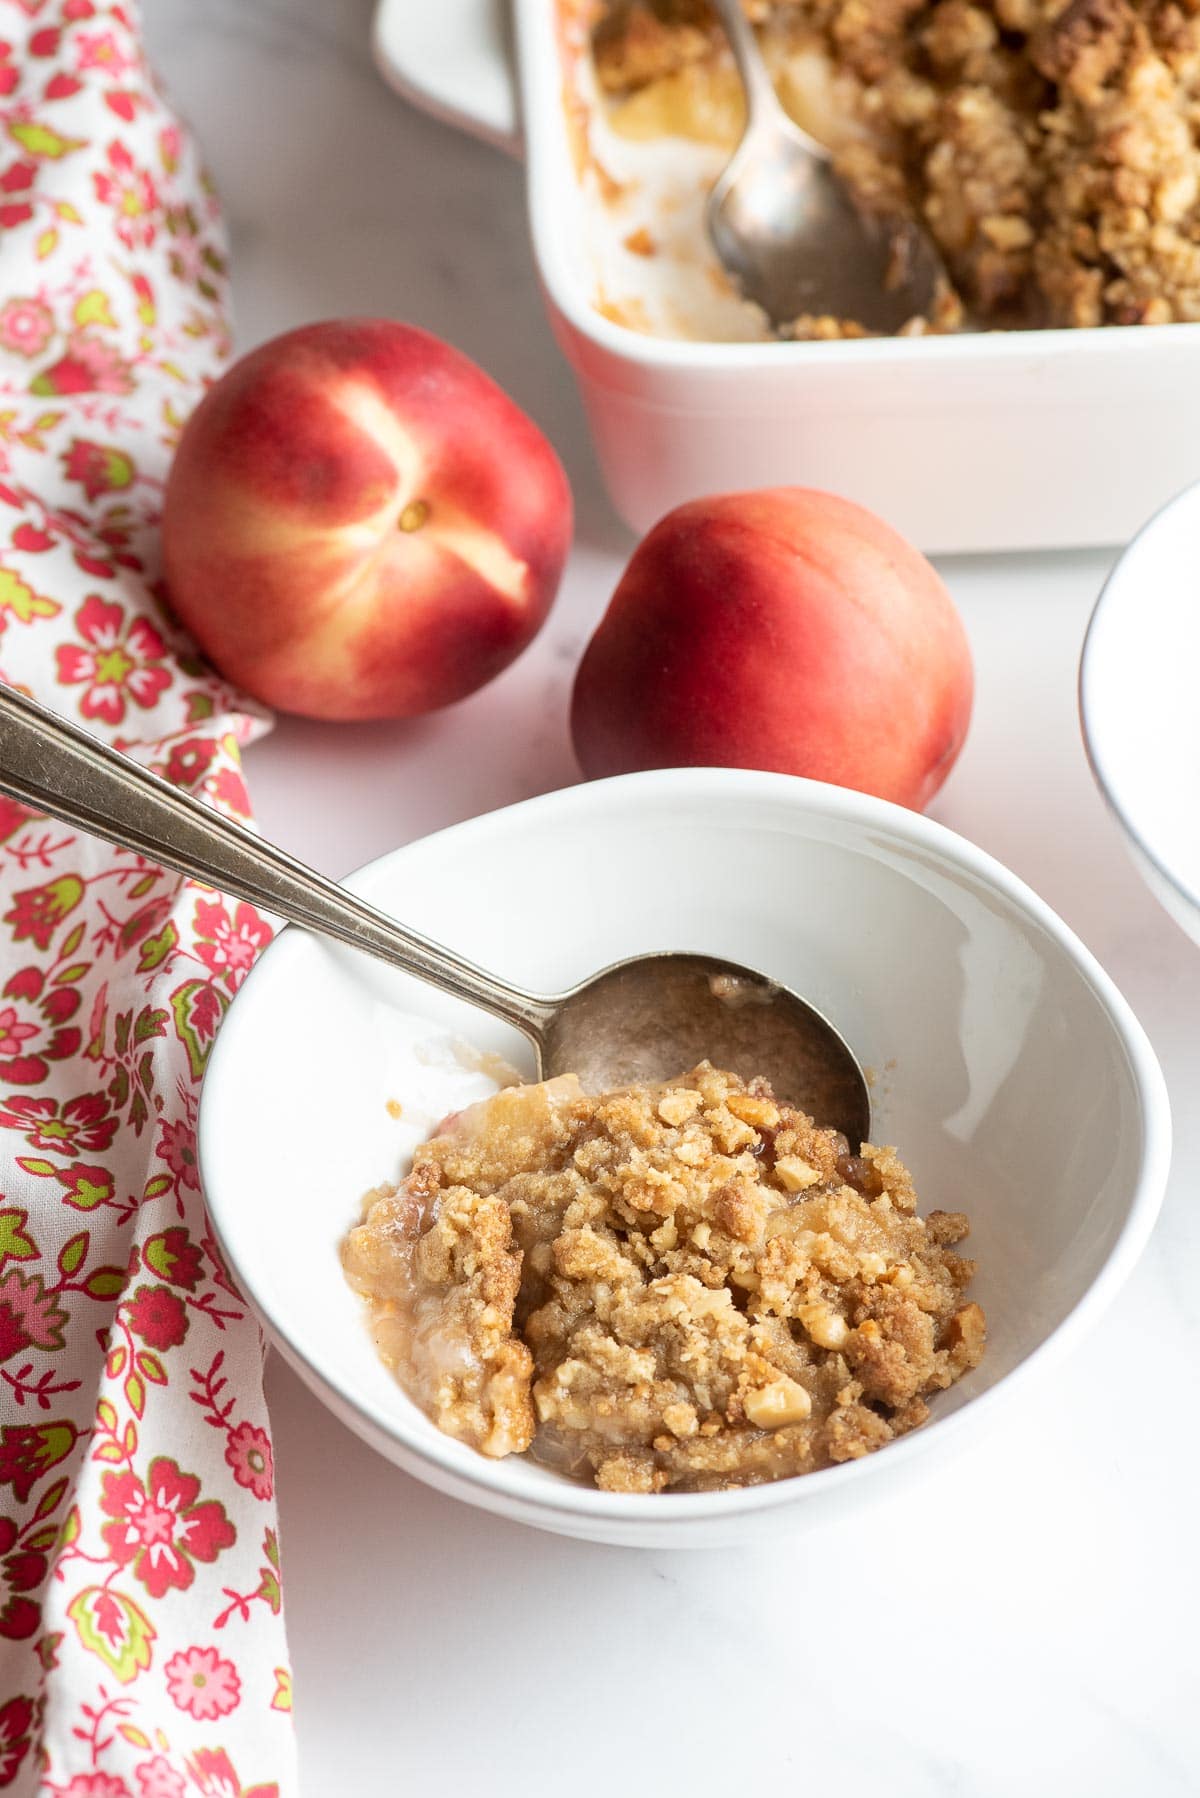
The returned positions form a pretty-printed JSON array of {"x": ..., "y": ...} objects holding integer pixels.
[{"x": 141, "y": 1636}]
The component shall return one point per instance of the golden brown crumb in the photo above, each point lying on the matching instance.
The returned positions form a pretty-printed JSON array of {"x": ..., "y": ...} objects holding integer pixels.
[{"x": 686, "y": 1286}]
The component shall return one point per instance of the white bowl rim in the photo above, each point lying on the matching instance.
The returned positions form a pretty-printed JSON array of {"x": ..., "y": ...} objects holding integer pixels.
[
  {"x": 1112, "y": 593},
  {"x": 567, "y": 1499}
]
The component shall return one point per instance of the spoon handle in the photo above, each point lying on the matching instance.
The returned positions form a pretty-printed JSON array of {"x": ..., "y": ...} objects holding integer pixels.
[
  {"x": 59, "y": 769},
  {"x": 765, "y": 111},
  {"x": 761, "y": 99}
]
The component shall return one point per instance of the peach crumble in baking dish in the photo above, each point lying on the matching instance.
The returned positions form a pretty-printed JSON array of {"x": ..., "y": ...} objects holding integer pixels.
[
  {"x": 1050, "y": 147},
  {"x": 686, "y": 1286}
]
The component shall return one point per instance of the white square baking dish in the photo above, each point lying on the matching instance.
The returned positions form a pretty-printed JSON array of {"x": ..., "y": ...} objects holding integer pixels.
[{"x": 987, "y": 441}]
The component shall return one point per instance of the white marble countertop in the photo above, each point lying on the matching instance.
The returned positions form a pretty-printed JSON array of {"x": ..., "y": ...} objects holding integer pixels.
[{"x": 1026, "y": 1622}]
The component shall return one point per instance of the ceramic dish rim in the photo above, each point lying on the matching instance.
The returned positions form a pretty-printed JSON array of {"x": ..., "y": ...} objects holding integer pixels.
[
  {"x": 1090, "y": 681},
  {"x": 812, "y": 799}
]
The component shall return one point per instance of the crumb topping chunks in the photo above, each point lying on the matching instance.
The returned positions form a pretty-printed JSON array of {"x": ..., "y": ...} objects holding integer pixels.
[
  {"x": 685, "y": 1286},
  {"x": 1051, "y": 147}
]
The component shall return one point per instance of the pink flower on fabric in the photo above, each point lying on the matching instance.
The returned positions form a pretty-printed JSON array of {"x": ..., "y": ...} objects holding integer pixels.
[
  {"x": 28, "y": 1047},
  {"x": 80, "y": 1126},
  {"x": 16, "y": 1722},
  {"x": 159, "y": 1527},
  {"x": 102, "y": 50},
  {"x": 29, "y": 1317},
  {"x": 99, "y": 468},
  {"x": 36, "y": 912},
  {"x": 26, "y": 326},
  {"x": 188, "y": 762},
  {"x": 22, "y": 1573},
  {"x": 232, "y": 943},
  {"x": 173, "y": 1255},
  {"x": 214, "y": 1776},
  {"x": 158, "y": 1779},
  {"x": 202, "y": 1684},
  {"x": 158, "y": 1316},
  {"x": 177, "y": 1147},
  {"x": 248, "y": 1452},
  {"x": 95, "y": 1785},
  {"x": 191, "y": 255},
  {"x": 119, "y": 660},
  {"x": 89, "y": 366},
  {"x": 230, "y": 789},
  {"x": 13, "y": 817},
  {"x": 18, "y": 177},
  {"x": 131, "y": 193},
  {"x": 13, "y": 1033}
]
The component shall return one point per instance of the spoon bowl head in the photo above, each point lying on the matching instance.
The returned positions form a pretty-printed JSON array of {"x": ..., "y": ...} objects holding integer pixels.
[
  {"x": 791, "y": 236},
  {"x": 656, "y": 1016}
]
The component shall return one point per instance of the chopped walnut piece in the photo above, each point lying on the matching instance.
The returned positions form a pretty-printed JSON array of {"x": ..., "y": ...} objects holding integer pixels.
[
  {"x": 784, "y": 1401},
  {"x": 794, "y": 1175}
]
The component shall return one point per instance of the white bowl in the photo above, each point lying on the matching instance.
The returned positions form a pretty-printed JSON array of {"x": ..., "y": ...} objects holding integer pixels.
[
  {"x": 1138, "y": 704},
  {"x": 989, "y": 440},
  {"x": 1011, "y": 1073}
]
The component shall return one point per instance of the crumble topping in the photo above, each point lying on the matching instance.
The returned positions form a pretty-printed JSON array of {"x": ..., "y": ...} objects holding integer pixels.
[
  {"x": 686, "y": 1286},
  {"x": 1051, "y": 147}
]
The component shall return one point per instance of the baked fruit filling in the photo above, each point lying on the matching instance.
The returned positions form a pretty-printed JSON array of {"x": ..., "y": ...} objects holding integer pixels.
[
  {"x": 1051, "y": 147},
  {"x": 686, "y": 1286}
]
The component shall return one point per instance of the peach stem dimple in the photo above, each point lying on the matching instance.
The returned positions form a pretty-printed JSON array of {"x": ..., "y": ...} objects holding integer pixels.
[{"x": 414, "y": 515}]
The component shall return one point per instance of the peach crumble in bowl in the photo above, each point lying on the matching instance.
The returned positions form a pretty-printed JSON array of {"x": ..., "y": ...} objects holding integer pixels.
[
  {"x": 691, "y": 1314},
  {"x": 687, "y": 1286}
]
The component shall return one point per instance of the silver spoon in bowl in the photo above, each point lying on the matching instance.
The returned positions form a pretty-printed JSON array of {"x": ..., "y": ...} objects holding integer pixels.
[
  {"x": 649, "y": 1018},
  {"x": 789, "y": 233}
]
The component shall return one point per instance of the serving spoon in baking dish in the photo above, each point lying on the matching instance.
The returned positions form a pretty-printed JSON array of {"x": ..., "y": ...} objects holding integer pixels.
[
  {"x": 787, "y": 229},
  {"x": 648, "y": 1018}
]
